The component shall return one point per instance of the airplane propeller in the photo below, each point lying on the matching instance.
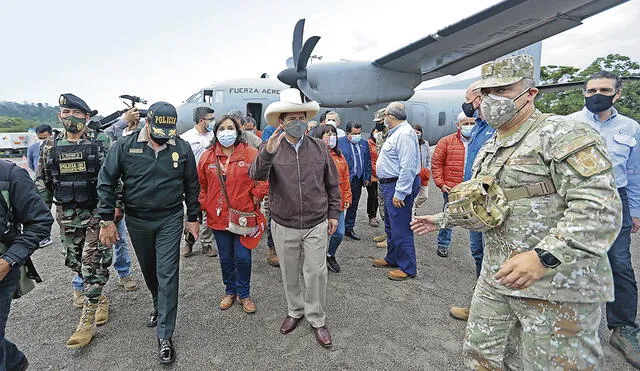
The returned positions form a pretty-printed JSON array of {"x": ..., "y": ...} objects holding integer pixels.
[{"x": 296, "y": 74}]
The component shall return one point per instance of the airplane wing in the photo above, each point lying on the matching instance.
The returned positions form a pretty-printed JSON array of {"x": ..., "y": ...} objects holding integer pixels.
[
  {"x": 553, "y": 88},
  {"x": 501, "y": 29}
]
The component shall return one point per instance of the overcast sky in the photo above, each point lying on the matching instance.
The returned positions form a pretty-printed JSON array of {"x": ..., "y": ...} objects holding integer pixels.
[{"x": 167, "y": 50}]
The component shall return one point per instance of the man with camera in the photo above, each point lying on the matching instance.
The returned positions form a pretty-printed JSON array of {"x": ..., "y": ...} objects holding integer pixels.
[
  {"x": 158, "y": 170},
  {"x": 68, "y": 171},
  {"x": 20, "y": 209}
]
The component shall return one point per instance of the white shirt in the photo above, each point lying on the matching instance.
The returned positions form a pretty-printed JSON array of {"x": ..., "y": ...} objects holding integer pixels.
[{"x": 198, "y": 142}]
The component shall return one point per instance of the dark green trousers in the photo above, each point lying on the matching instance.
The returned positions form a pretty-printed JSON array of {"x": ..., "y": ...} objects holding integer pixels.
[{"x": 157, "y": 246}]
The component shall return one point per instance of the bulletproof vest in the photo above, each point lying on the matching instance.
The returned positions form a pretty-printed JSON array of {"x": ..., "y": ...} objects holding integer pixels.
[{"x": 74, "y": 169}]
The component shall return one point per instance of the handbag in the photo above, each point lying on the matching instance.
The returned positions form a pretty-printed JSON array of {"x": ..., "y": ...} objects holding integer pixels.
[{"x": 240, "y": 222}]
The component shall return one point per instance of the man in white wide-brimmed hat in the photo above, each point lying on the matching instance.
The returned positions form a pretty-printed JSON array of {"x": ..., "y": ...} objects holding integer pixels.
[{"x": 302, "y": 218}]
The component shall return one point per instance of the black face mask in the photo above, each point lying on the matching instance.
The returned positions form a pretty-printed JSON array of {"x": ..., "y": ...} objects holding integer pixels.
[
  {"x": 160, "y": 141},
  {"x": 468, "y": 109},
  {"x": 380, "y": 126},
  {"x": 599, "y": 102}
]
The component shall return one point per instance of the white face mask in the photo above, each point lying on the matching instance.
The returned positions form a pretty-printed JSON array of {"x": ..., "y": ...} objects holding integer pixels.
[{"x": 227, "y": 137}]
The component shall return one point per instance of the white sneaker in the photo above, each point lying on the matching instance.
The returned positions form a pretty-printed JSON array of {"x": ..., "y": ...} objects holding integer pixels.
[{"x": 46, "y": 242}]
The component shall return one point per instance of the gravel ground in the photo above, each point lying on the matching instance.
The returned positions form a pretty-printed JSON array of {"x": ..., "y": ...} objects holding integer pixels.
[{"x": 375, "y": 323}]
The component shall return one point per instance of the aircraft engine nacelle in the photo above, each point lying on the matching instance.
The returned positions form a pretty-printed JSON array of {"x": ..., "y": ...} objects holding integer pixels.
[{"x": 352, "y": 84}]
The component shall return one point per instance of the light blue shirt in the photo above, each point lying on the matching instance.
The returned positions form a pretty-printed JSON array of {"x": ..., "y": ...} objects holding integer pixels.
[
  {"x": 33, "y": 155},
  {"x": 400, "y": 157},
  {"x": 296, "y": 145},
  {"x": 621, "y": 135}
]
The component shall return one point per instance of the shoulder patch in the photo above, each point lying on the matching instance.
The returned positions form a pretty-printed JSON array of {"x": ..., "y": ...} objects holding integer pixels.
[
  {"x": 589, "y": 161},
  {"x": 571, "y": 143}
]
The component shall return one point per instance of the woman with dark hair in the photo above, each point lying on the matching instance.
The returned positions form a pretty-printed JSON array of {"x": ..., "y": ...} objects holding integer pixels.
[
  {"x": 425, "y": 166},
  {"x": 232, "y": 202},
  {"x": 329, "y": 136}
]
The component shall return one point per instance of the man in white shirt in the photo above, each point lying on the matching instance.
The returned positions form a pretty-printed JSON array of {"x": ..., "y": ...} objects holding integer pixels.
[{"x": 199, "y": 138}]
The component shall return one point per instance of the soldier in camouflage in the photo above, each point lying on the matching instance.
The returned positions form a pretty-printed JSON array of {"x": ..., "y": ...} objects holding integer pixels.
[
  {"x": 380, "y": 137},
  {"x": 67, "y": 175},
  {"x": 545, "y": 267}
]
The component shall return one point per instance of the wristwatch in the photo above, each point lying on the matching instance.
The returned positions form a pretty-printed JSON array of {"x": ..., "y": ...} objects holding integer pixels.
[
  {"x": 11, "y": 262},
  {"x": 547, "y": 259},
  {"x": 105, "y": 223}
]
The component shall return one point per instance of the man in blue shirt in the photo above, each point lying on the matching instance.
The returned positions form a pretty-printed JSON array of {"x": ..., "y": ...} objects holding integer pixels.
[
  {"x": 33, "y": 152},
  {"x": 622, "y": 136},
  {"x": 356, "y": 152},
  {"x": 397, "y": 169}
]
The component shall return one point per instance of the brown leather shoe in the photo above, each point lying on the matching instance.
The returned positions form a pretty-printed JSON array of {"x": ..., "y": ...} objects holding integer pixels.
[
  {"x": 209, "y": 251},
  {"x": 289, "y": 324},
  {"x": 382, "y": 245},
  {"x": 272, "y": 258},
  {"x": 247, "y": 305},
  {"x": 323, "y": 337},
  {"x": 381, "y": 263},
  {"x": 186, "y": 250},
  {"x": 398, "y": 275},
  {"x": 380, "y": 238},
  {"x": 227, "y": 301}
]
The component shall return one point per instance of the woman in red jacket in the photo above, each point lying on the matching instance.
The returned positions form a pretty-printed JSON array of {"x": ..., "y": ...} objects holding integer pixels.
[
  {"x": 232, "y": 202},
  {"x": 329, "y": 136}
]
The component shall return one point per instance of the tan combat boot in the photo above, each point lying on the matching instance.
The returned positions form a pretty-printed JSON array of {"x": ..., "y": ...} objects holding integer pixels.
[
  {"x": 128, "y": 283},
  {"x": 78, "y": 299},
  {"x": 459, "y": 313},
  {"x": 382, "y": 245},
  {"x": 86, "y": 328},
  {"x": 380, "y": 238},
  {"x": 102, "y": 312},
  {"x": 272, "y": 258}
]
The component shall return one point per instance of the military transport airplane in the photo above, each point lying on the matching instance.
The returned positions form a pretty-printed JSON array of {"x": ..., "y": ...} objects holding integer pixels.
[{"x": 357, "y": 89}]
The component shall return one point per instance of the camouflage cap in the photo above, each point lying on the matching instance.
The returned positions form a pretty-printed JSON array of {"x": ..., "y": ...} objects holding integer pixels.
[
  {"x": 506, "y": 71},
  {"x": 379, "y": 115}
]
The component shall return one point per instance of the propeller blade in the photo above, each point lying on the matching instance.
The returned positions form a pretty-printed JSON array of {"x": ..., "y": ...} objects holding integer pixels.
[
  {"x": 290, "y": 63},
  {"x": 307, "y": 49},
  {"x": 297, "y": 41}
]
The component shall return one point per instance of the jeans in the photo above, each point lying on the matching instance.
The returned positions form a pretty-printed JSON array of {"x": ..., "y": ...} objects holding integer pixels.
[
  {"x": 622, "y": 311},
  {"x": 235, "y": 262},
  {"x": 337, "y": 236},
  {"x": 401, "y": 249},
  {"x": 476, "y": 243},
  {"x": 444, "y": 235},
  {"x": 121, "y": 257},
  {"x": 10, "y": 356},
  {"x": 372, "y": 200},
  {"x": 352, "y": 211}
]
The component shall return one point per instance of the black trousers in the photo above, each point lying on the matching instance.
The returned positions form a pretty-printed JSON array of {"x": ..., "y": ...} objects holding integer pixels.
[{"x": 372, "y": 199}]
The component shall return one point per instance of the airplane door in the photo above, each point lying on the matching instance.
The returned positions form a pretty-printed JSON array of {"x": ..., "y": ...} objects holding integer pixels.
[
  {"x": 419, "y": 115},
  {"x": 255, "y": 110}
]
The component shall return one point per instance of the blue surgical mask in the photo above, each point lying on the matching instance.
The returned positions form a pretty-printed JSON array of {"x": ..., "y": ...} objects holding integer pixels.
[
  {"x": 227, "y": 137},
  {"x": 466, "y": 130},
  {"x": 355, "y": 138}
]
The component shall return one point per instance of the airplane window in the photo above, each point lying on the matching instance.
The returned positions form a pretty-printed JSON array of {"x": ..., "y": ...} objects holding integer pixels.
[
  {"x": 219, "y": 96},
  {"x": 442, "y": 117},
  {"x": 196, "y": 98}
]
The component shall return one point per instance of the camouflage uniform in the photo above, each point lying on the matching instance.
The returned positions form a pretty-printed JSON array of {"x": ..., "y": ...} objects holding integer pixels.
[
  {"x": 576, "y": 223},
  {"x": 79, "y": 227},
  {"x": 379, "y": 115}
]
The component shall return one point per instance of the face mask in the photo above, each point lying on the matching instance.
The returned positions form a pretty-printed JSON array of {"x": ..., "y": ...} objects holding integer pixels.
[
  {"x": 468, "y": 109},
  {"x": 73, "y": 124},
  {"x": 419, "y": 135},
  {"x": 466, "y": 130},
  {"x": 355, "y": 138},
  {"x": 332, "y": 123},
  {"x": 227, "y": 137},
  {"x": 296, "y": 128},
  {"x": 380, "y": 126},
  {"x": 330, "y": 142},
  {"x": 160, "y": 141},
  {"x": 599, "y": 102},
  {"x": 498, "y": 110}
]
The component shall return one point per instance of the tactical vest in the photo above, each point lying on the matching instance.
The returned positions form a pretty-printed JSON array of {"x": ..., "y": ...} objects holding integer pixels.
[{"x": 74, "y": 169}]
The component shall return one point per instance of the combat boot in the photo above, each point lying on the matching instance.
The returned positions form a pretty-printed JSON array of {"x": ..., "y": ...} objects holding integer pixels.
[
  {"x": 78, "y": 299},
  {"x": 459, "y": 313},
  {"x": 380, "y": 238},
  {"x": 272, "y": 258},
  {"x": 102, "y": 312},
  {"x": 86, "y": 328},
  {"x": 625, "y": 339}
]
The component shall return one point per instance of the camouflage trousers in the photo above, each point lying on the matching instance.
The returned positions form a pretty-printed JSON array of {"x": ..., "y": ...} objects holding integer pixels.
[
  {"x": 380, "y": 203},
  {"x": 552, "y": 335},
  {"x": 82, "y": 250}
]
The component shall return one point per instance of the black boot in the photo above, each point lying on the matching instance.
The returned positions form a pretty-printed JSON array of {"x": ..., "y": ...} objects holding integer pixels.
[
  {"x": 332, "y": 264},
  {"x": 166, "y": 353}
]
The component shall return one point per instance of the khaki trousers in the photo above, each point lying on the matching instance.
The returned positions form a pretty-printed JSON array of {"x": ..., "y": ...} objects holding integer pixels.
[{"x": 306, "y": 249}]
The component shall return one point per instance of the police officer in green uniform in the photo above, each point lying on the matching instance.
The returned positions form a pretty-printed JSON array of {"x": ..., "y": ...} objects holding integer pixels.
[
  {"x": 67, "y": 175},
  {"x": 158, "y": 171}
]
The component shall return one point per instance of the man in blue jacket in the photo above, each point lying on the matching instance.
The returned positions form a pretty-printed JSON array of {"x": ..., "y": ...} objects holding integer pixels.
[{"x": 356, "y": 152}]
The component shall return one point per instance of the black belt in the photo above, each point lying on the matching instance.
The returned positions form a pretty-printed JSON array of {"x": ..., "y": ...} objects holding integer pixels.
[{"x": 388, "y": 180}]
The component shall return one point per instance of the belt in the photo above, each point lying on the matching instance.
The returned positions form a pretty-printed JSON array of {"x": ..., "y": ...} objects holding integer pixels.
[{"x": 388, "y": 180}]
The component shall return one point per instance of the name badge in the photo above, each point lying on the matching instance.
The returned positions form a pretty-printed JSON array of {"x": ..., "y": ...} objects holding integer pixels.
[{"x": 135, "y": 150}]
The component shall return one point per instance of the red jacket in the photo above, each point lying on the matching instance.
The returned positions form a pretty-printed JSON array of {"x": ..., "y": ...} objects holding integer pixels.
[
  {"x": 374, "y": 158},
  {"x": 345, "y": 184},
  {"x": 447, "y": 163},
  {"x": 240, "y": 188}
]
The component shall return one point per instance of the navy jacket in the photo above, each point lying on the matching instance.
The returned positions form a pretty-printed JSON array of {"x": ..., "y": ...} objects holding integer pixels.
[{"x": 347, "y": 150}]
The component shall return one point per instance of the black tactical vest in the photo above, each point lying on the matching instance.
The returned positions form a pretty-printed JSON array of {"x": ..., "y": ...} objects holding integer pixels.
[{"x": 74, "y": 169}]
